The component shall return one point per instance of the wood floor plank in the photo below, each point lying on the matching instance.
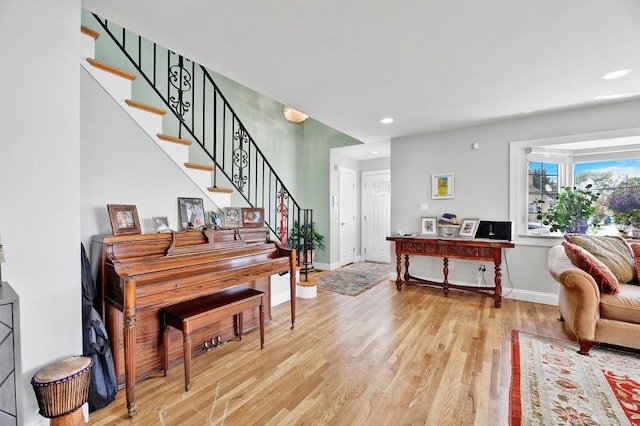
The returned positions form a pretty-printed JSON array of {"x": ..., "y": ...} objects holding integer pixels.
[{"x": 383, "y": 357}]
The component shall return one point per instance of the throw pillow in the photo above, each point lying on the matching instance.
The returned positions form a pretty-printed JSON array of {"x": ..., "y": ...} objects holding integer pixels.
[
  {"x": 607, "y": 282},
  {"x": 635, "y": 247},
  {"x": 613, "y": 251}
]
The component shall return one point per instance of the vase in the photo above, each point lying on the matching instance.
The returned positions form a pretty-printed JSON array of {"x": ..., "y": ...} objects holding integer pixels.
[{"x": 581, "y": 227}]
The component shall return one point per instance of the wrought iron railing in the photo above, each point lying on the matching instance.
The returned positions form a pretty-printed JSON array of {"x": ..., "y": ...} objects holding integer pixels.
[{"x": 205, "y": 116}]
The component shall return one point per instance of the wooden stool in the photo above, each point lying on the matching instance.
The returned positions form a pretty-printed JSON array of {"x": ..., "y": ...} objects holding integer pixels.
[
  {"x": 192, "y": 314},
  {"x": 62, "y": 388}
]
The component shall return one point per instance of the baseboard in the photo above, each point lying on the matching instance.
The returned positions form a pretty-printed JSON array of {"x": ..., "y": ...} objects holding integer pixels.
[{"x": 324, "y": 266}]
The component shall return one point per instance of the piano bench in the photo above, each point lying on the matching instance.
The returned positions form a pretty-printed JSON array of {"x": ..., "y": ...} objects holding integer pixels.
[{"x": 191, "y": 314}]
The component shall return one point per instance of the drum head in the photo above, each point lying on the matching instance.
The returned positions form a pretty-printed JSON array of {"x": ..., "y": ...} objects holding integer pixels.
[{"x": 63, "y": 369}]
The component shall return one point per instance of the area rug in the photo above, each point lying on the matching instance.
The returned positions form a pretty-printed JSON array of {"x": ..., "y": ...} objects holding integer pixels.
[
  {"x": 551, "y": 384},
  {"x": 355, "y": 278}
]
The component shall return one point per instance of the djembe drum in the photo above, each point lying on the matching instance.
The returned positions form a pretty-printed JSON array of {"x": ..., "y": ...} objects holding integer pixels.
[{"x": 62, "y": 388}]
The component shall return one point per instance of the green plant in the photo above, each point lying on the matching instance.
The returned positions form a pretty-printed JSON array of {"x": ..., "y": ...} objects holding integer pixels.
[
  {"x": 298, "y": 233},
  {"x": 572, "y": 208}
]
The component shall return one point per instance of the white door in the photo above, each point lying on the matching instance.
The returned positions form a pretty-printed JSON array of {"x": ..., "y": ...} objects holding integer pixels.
[
  {"x": 376, "y": 215},
  {"x": 347, "y": 206}
]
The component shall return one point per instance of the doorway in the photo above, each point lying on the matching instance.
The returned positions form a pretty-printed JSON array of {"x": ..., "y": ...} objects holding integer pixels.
[
  {"x": 347, "y": 214},
  {"x": 376, "y": 215}
]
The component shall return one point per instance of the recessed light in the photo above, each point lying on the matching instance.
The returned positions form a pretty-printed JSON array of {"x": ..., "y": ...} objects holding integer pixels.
[
  {"x": 375, "y": 152},
  {"x": 387, "y": 120},
  {"x": 617, "y": 96},
  {"x": 616, "y": 74}
]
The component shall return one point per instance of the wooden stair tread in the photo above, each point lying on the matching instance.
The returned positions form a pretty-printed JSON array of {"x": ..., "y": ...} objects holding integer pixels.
[
  {"x": 173, "y": 139},
  {"x": 88, "y": 31},
  {"x": 112, "y": 70},
  {"x": 220, "y": 190},
  {"x": 199, "y": 166},
  {"x": 145, "y": 107}
]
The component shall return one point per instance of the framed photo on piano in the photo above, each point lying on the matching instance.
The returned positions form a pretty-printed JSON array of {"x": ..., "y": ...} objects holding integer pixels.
[
  {"x": 191, "y": 213},
  {"x": 252, "y": 217},
  {"x": 232, "y": 217},
  {"x": 124, "y": 219}
]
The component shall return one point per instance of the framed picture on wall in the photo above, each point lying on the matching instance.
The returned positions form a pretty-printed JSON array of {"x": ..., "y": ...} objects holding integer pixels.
[
  {"x": 442, "y": 186},
  {"x": 124, "y": 219},
  {"x": 468, "y": 228},
  {"x": 429, "y": 226}
]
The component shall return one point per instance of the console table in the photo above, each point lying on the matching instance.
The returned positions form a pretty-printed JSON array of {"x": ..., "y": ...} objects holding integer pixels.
[{"x": 450, "y": 248}]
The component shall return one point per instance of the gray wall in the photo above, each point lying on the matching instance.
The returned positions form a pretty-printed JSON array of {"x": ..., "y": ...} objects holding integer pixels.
[
  {"x": 482, "y": 184},
  {"x": 39, "y": 179}
]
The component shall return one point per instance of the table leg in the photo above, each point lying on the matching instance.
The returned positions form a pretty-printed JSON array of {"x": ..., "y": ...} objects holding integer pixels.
[
  {"x": 497, "y": 297},
  {"x": 398, "y": 271},
  {"x": 445, "y": 272},
  {"x": 406, "y": 267}
]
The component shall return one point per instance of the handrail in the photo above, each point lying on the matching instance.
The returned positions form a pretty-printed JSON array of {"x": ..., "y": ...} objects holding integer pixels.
[{"x": 190, "y": 93}]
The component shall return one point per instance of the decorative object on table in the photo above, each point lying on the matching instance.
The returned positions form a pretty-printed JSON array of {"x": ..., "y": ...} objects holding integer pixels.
[
  {"x": 468, "y": 228},
  {"x": 215, "y": 219},
  {"x": 553, "y": 384},
  {"x": 62, "y": 388},
  {"x": 442, "y": 186},
  {"x": 124, "y": 219},
  {"x": 160, "y": 224},
  {"x": 232, "y": 217},
  {"x": 191, "y": 213},
  {"x": 353, "y": 279},
  {"x": 628, "y": 222},
  {"x": 428, "y": 226},
  {"x": 2, "y": 259},
  {"x": 448, "y": 225},
  {"x": 252, "y": 217},
  {"x": 571, "y": 210}
]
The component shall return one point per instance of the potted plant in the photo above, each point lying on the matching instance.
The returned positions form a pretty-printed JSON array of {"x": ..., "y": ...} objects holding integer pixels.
[
  {"x": 571, "y": 211},
  {"x": 315, "y": 240}
]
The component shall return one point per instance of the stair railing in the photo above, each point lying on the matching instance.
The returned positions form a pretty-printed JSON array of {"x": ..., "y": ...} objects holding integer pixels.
[{"x": 204, "y": 115}]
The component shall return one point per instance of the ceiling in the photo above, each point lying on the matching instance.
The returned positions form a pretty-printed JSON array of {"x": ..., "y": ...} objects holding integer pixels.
[{"x": 430, "y": 64}]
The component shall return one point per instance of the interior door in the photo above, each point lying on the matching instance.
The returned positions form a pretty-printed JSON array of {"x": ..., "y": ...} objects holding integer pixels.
[
  {"x": 347, "y": 207},
  {"x": 376, "y": 215}
]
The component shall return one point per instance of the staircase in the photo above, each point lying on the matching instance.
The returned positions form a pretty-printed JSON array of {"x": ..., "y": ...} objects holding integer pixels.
[{"x": 193, "y": 124}]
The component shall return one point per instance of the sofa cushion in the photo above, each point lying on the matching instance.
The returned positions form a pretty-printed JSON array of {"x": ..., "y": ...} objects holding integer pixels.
[
  {"x": 624, "y": 306},
  {"x": 607, "y": 282},
  {"x": 611, "y": 250}
]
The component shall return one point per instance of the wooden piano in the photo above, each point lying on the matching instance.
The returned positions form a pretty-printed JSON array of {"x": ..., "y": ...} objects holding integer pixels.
[{"x": 139, "y": 274}]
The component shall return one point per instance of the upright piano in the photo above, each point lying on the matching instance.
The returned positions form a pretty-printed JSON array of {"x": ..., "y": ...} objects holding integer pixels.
[{"x": 139, "y": 274}]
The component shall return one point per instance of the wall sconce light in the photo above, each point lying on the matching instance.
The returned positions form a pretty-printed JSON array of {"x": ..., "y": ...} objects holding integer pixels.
[{"x": 294, "y": 115}]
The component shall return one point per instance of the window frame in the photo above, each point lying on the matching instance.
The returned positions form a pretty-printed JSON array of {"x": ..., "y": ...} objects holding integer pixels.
[{"x": 520, "y": 151}]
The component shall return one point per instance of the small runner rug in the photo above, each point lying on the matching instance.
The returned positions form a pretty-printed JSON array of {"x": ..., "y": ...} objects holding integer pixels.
[
  {"x": 551, "y": 384},
  {"x": 355, "y": 278}
]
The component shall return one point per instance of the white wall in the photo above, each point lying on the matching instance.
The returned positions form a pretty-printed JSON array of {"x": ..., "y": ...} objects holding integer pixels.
[
  {"x": 39, "y": 178},
  {"x": 482, "y": 185}
]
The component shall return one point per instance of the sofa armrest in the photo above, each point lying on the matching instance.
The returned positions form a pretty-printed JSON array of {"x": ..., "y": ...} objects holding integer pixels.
[{"x": 579, "y": 296}]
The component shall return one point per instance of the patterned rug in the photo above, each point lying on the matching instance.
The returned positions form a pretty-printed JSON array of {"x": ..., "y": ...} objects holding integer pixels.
[
  {"x": 551, "y": 384},
  {"x": 355, "y": 278}
]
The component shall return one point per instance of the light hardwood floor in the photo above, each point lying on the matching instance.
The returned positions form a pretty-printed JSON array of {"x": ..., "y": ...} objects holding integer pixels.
[{"x": 381, "y": 358}]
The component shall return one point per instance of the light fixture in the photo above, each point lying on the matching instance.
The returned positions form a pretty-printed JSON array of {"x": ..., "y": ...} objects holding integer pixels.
[
  {"x": 294, "y": 115},
  {"x": 616, "y": 74},
  {"x": 387, "y": 120},
  {"x": 374, "y": 153}
]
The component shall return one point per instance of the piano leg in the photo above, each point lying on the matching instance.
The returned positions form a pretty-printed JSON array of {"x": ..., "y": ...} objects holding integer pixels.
[{"x": 129, "y": 361}]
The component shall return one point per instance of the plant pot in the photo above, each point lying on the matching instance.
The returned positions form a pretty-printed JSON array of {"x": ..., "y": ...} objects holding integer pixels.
[{"x": 581, "y": 227}]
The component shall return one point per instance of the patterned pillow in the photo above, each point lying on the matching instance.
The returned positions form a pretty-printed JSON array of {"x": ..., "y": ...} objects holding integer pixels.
[
  {"x": 635, "y": 247},
  {"x": 613, "y": 251},
  {"x": 607, "y": 282}
]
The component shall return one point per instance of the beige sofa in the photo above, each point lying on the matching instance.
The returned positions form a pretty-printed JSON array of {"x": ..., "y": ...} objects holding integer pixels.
[{"x": 591, "y": 316}]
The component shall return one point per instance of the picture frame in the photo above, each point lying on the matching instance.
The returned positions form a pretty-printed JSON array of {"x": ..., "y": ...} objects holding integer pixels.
[
  {"x": 232, "y": 217},
  {"x": 124, "y": 219},
  {"x": 215, "y": 219},
  {"x": 252, "y": 217},
  {"x": 442, "y": 186},
  {"x": 468, "y": 228},
  {"x": 160, "y": 224},
  {"x": 191, "y": 213},
  {"x": 429, "y": 226}
]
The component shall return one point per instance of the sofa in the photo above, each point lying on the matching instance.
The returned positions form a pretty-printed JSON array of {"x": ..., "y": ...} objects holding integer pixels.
[{"x": 592, "y": 311}]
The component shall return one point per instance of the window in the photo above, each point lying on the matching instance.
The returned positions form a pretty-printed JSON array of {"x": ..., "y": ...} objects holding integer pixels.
[{"x": 610, "y": 161}]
